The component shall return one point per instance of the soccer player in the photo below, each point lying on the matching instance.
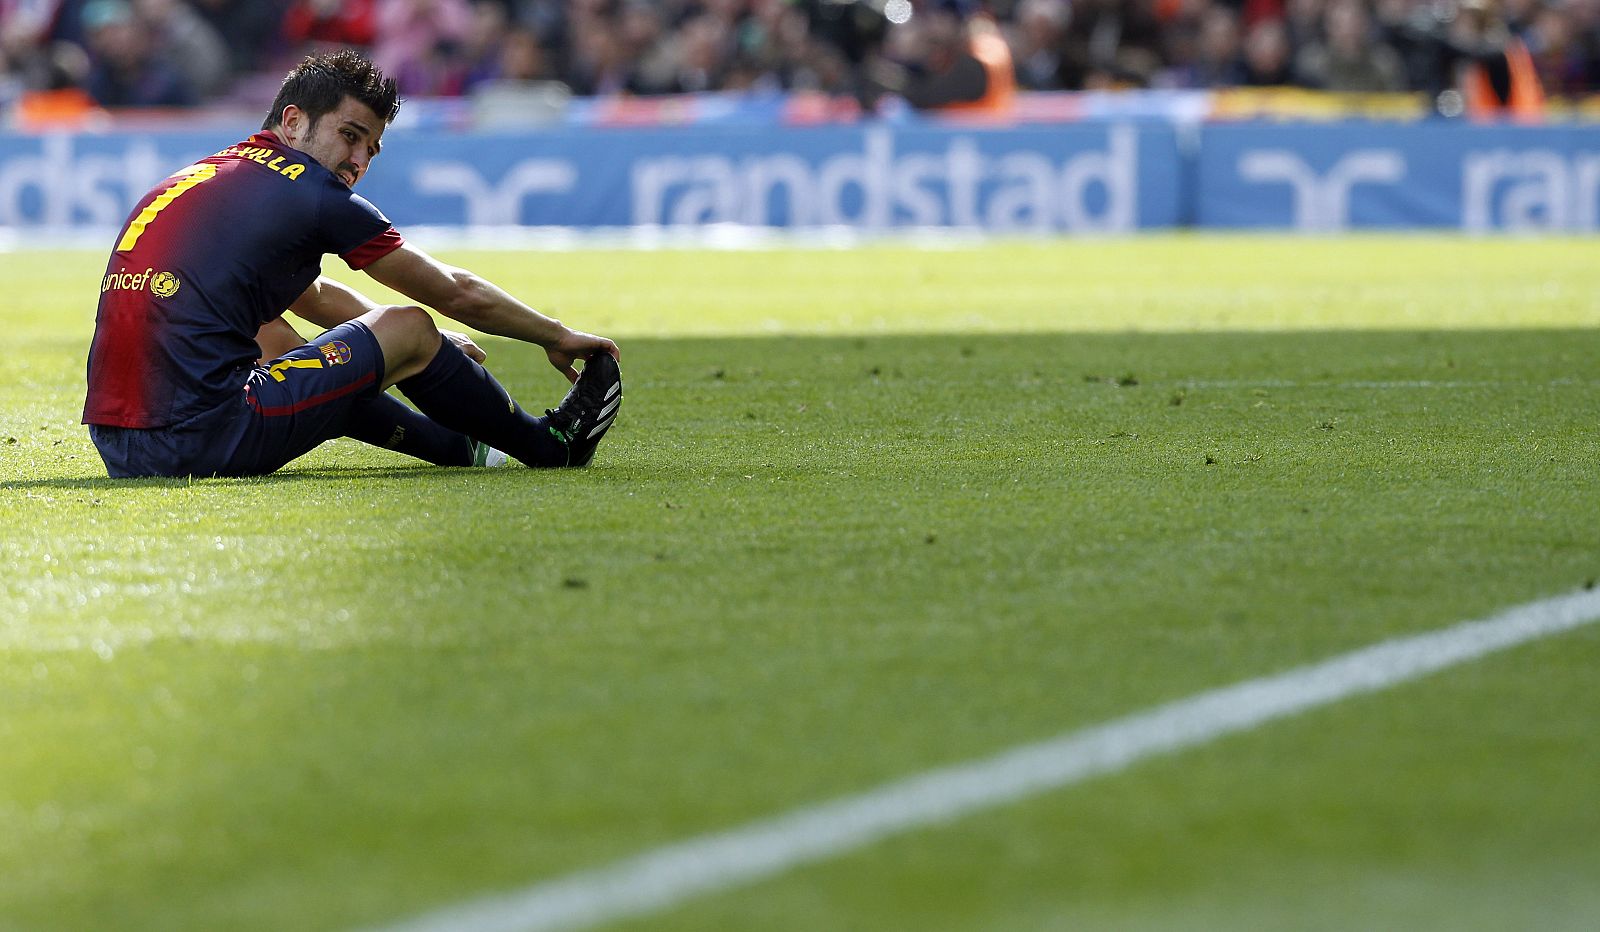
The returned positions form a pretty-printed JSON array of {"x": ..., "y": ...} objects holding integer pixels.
[{"x": 191, "y": 371}]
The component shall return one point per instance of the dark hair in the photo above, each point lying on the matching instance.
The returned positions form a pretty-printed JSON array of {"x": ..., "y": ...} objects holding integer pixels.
[{"x": 319, "y": 83}]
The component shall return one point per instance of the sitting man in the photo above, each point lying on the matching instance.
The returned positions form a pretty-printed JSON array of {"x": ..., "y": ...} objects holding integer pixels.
[{"x": 196, "y": 287}]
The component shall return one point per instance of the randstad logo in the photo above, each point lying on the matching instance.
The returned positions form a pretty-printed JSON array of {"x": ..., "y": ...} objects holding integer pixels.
[{"x": 161, "y": 284}]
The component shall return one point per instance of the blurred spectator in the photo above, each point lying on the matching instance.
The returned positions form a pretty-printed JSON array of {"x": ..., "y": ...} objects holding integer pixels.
[
  {"x": 52, "y": 66},
  {"x": 547, "y": 19},
  {"x": 1303, "y": 20},
  {"x": 776, "y": 41},
  {"x": 67, "y": 24},
  {"x": 1415, "y": 29},
  {"x": 1036, "y": 44},
  {"x": 522, "y": 58},
  {"x": 27, "y": 20},
  {"x": 331, "y": 22},
  {"x": 419, "y": 44},
  {"x": 1519, "y": 15},
  {"x": 1564, "y": 62},
  {"x": 124, "y": 69},
  {"x": 1267, "y": 55},
  {"x": 29, "y": 57},
  {"x": 1112, "y": 43},
  {"x": 1497, "y": 76},
  {"x": 24, "y": 30},
  {"x": 179, "y": 36},
  {"x": 1350, "y": 58},
  {"x": 597, "y": 62},
  {"x": 1216, "y": 61},
  {"x": 642, "y": 36},
  {"x": 494, "y": 50},
  {"x": 248, "y": 28},
  {"x": 953, "y": 59},
  {"x": 1180, "y": 24},
  {"x": 698, "y": 59}
]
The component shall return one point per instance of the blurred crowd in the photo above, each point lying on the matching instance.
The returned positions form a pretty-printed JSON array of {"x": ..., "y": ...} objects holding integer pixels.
[{"x": 176, "y": 53}]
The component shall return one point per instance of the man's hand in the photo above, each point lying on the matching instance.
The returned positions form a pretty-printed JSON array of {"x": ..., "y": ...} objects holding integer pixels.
[
  {"x": 575, "y": 345},
  {"x": 465, "y": 344},
  {"x": 465, "y": 297}
]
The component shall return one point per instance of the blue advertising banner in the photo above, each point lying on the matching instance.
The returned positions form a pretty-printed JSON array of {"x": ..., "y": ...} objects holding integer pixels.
[
  {"x": 65, "y": 182},
  {"x": 1359, "y": 175},
  {"x": 1087, "y": 178},
  {"x": 1091, "y": 177}
]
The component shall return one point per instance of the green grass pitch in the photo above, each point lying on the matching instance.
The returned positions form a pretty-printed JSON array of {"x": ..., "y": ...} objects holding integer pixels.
[{"x": 865, "y": 513}]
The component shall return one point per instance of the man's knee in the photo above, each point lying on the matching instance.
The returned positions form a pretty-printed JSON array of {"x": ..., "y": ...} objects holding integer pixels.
[
  {"x": 405, "y": 321},
  {"x": 407, "y": 335}
]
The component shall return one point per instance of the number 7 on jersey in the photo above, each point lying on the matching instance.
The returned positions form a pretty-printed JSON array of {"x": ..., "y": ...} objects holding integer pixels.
[{"x": 187, "y": 178}]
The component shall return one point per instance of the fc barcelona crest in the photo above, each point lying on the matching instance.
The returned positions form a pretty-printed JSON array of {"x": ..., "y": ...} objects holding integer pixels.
[{"x": 336, "y": 353}]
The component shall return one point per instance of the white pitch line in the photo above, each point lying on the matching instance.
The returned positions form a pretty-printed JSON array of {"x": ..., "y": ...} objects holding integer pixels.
[
  {"x": 1449, "y": 385},
  {"x": 669, "y": 875}
]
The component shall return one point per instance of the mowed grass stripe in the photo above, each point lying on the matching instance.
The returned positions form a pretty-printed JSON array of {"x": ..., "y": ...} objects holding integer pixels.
[
  {"x": 667, "y": 876},
  {"x": 1168, "y": 284}
]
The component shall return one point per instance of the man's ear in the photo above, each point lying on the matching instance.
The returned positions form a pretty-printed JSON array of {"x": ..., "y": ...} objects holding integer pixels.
[{"x": 293, "y": 122}]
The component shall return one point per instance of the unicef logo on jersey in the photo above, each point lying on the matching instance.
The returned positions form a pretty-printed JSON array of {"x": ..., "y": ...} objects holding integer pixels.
[
  {"x": 164, "y": 284},
  {"x": 161, "y": 284}
]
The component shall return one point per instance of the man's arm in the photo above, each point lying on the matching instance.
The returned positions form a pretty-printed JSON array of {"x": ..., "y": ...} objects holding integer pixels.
[
  {"x": 275, "y": 338},
  {"x": 460, "y": 295},
  {"x": 328, "y": 304}
]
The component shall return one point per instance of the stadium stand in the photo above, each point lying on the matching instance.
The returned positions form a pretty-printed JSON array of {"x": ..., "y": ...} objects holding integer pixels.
[{"x": 1480, "y": 57}]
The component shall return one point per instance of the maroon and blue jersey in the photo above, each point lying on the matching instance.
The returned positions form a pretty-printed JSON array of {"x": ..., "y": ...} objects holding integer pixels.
[{"x": 207, "y": 257}]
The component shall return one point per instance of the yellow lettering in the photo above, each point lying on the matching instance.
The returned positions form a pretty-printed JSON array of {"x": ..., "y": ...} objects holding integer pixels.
[
  {"x": 190, "y": 176},
  {"x": 277, "y": 368},
  {"x": 266, "y": 157}
]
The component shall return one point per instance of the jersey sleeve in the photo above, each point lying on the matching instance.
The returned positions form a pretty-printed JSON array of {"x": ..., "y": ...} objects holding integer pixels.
[{"x": 354, "y": 229}]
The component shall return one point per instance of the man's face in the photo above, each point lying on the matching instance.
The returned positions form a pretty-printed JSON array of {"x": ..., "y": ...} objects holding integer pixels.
[{"x": 344, "y": 140}]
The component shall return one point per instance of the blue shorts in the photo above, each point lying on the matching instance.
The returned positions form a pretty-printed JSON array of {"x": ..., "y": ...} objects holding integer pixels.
[{"x": 284, "y": 409}]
